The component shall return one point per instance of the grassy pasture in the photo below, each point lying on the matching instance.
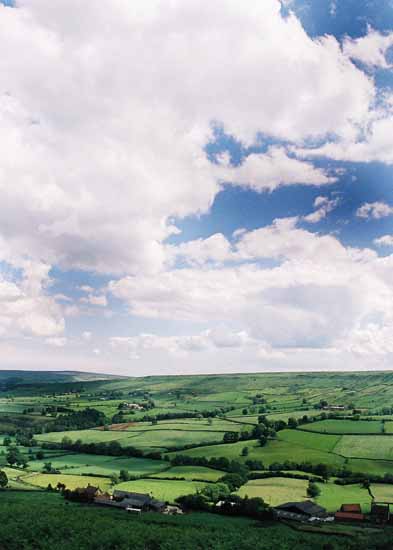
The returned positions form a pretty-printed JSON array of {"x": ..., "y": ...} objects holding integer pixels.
[
  {"x": 333, "y": 496},
  {"x": 309, "y": 440},
  {"x": 382, "y": 492},
  {"x": 161, "y": 489},
  {"x": 101, "y": 465},
  {"x": 345, "y": 426},
  {"x": 275, "y": 490},
  {"x": 274, "y": 451},
  {"x": 70, "y": 481},
  {"x": 144, "y": 435},
  {"x": 191, "y": 472},
  {"x": 366, "y": 446}
]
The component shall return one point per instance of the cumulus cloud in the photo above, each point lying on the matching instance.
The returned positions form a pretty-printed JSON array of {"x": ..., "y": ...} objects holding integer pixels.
[
  {"x": 266, "y": 172},
  {"x": 95, "y": 300},
  {"x": 303, "y": 295},
  {"x": 370, "y": 49},
  {"x": 374, "y": 210},
  {"x": 58, "y": 342},
  {"x": 385, "y": 240},
  {"x": 109, "y": 147},
  {"x": 104, "y": 127},
  {"x": 323, "y": 206}
]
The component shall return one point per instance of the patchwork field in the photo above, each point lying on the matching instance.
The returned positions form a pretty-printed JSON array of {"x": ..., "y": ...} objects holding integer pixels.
[
  {"x": 70, "y": 481},
  {"x": 190, "y": 473},
  {"x": 167, "y": 490},
  {"x": 99, "y": 465},
  {"x": 382, "y": 492},
  {"x": 345, "y": 427},
  {"x": 333, "y": 496},
  {"x": 276, "y": 490},
  {"x": 373, "y": 446}
]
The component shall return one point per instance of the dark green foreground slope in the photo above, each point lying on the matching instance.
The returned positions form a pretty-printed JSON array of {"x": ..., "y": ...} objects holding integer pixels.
[{"x": 45, "y": 521}]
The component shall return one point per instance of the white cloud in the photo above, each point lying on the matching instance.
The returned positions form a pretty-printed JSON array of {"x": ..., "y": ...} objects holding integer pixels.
[
  {"x": 370, "y": 49},
  {"x": 311, "y": 291},
  {"x": 87, "y": 335},
  {"x": 58, "y": 342},
  {"x": 323, "y": 206},
  {"x": 385, "y": 240},
  {"x": 95, "y": 300},
  {"x": 104, "y": 123},
  {"x": 266, "y": 172},
  {"x": 26, "y": 309},
  {"x": 375, "y": 210}
]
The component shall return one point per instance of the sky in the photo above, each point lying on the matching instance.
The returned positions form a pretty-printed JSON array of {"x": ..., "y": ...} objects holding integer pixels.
[{"x": 196, "y": 187}]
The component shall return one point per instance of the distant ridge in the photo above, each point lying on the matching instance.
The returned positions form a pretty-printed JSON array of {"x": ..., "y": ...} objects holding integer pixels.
[{"x": 47, "y": 377}]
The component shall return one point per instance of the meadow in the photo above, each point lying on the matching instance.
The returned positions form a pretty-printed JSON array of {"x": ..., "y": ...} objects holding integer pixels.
[
  {"x": 189, "y": 416},
  {"x": 275, "y": 490}
]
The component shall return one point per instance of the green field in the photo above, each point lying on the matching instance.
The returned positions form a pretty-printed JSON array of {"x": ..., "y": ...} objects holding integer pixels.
[
  {"x": 382, "y": 492},
  {"x": 307, "y": 440},
  {"x": 43, "y": 520},
  {"x": 333, "y": 496},
  {"x": 362, "y": 446},
  {"x": 345, "y": 426},
  {"x": 167, "y": 490},
  {"x": 275, "y": 490},
  {"x": 191, "y": 473},
  {"x": 70, "y": 481},
  {"x": 99, "y": 465}
]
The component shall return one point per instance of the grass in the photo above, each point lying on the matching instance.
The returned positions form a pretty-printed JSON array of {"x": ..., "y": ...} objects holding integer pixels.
[
  {"x": 309, "y": 440},
  {"x": 99, "y": 465},
  {"x": 382, "y": 492},
  {"x": 275, "y": 490},
  {"x": 333, "y": 496},
  {"x": 70, "y": 481},
  {"x": 274, "y": 451},
  {"x": 191, "y": 472},
  {"x": 345, "y": 426},
  {"x": 370, "y": 446},
  {"x": 167, "y": 490},
  {"x": 45, "y": 521}
]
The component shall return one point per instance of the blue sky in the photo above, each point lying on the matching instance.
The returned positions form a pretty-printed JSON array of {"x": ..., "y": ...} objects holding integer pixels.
[{"x": 210, "y": 194}]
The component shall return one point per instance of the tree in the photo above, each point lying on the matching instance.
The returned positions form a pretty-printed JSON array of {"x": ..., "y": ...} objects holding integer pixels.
[
  {"x": 40, "y": 455},
  {"x": 47, "y": 467},
  {"x": 7, "y": 441},
  {"x": 313, "y": 490},
  {"x": 124, "y": 475},
  {"x": 230, "y": 437},
  {"x": 292, "y": 423},
  {"x": 245, "y": 411},
  {"x": 262, "y": 440},
  {"x": 3, "y": 479},
  {"x": 115, "y": 479},
  {"x": 245, "y": 451},
  {"x": 14, "y": 456}
]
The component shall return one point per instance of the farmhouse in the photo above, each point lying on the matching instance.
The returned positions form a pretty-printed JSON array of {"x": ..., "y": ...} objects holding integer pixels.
[
  {"x": 133, "y": 502},
  {"x": 132, "y": 406},
  {"x": 89, "y": 493},
  {"x": 349, "y": 512},
  {"x": 301, "y": 511},
  {"x": 380, "y": 512}
]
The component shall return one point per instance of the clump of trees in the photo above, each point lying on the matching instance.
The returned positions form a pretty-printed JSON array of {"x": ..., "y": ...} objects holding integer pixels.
[{"x": 3, "y": 479}]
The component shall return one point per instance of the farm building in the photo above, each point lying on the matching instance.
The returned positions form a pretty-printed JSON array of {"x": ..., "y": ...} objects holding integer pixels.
[
  {"x": 134, "y": 502},
  {"x": 132, "y": 406},
  {"x": 301, "y": 511},
  {"x": 88, "y": 494},
  {"x": 349, "y": 512},
  {"x": 380, "y": 512}
]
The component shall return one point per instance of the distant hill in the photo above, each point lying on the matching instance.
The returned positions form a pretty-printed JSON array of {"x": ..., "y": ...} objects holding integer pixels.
[{"x": 19, "y": 377}]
